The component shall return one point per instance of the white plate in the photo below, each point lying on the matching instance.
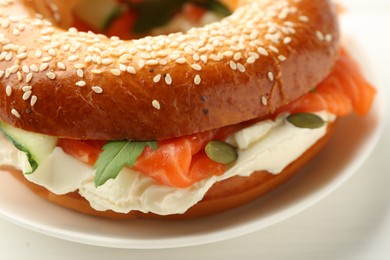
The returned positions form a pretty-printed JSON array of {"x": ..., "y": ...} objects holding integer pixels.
[{"x": 339, "y": 160}]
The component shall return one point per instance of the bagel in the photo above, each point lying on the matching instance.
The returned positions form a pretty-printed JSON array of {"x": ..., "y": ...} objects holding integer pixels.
[
  {"x": 237, "y": 82},
  {"x": 132, "y": 75}
]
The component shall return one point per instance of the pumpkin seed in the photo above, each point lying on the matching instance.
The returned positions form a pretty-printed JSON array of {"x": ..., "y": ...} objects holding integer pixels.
[
  {"x": 306, "y": 120},
  {"x": 221, "y": 152}
]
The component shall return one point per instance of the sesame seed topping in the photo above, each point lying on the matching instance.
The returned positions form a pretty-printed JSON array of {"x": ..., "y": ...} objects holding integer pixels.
[
  {"x": 271, "y": 76},
  {"x": 328, "y": 37},
  {"x": 107, "y": 61},
  {"x": 282, "y": 58},
  {"x": 287, "y": 40},
  {"x": 168, "y": 79},
  {"x": 33, "y": 100},
  {"x": 81, "y": 83},
  {"x": 27, "y": 95},
  {"x": 97, "y": 89},
  {"x": 181, "y": 60},
  {"x": 157, "y": 78},
  {"x": 241, "y": 68},
  {"x": 274, "y": 49},
  {"x": 51, "y": 75},
  {"x": 29, "y": 77},
  {"x": 264, "y": 100},
  {"x": 8, "y": 90},
  {"x": 262, "y": 51},
  {"x": 25, "y": 69},
  {"x": 196, "y": 67},
  {"x": 14, "y": 69},
  {"x": 21, "y": 56},
  {"x": 320, "y": 36},
  {"x": 156, "y": 104},
  {"x": 233, "y": 65},
  {"x": 34, "y": 68},
  {"x": 26, "y": 88},
  {"x": 43, "y": 66},
  {"x": 197, "y": 80},
  {"x": 73, "y": 58},
  {"x": 131, "y": 70},
  {"x": 15, "y": 113},
  {"x": 61, "y": 65},
  {"x": 303, "y": 18},
  {"x": 237, "y": 56},
  {"x": 250, "y": 59}
]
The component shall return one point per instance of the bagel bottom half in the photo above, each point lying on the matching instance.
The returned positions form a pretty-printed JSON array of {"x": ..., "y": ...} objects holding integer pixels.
[{"x": 222, "y": 196}]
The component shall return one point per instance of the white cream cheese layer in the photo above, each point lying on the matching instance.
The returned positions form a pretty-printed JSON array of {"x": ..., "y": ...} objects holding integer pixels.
[{"x": 267, "y": 145}]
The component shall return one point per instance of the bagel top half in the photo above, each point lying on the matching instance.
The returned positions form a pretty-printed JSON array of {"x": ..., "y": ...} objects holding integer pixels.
[{"x": 82, "y": 85}]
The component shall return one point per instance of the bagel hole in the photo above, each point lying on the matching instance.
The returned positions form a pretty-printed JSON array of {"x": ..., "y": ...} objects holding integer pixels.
[{"x": 132, "y": 19}]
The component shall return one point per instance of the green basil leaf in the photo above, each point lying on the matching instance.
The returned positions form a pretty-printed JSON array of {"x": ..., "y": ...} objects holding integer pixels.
[{"x": 115, "y": 156}]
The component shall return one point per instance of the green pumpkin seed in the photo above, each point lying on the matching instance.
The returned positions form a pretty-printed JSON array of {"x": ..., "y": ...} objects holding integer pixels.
[
  {"x": 306, "y": 120},
  {"x": 221, "y": 152}
]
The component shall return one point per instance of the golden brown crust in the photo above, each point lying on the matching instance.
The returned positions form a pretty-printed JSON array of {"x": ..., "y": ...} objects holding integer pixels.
[
  {"x": 221, "y": 197},
  {"x": 241, "y": 68}
]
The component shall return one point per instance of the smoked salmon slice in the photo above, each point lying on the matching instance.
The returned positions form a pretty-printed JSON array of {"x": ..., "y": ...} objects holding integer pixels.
[{"x": 181, "y": 162}]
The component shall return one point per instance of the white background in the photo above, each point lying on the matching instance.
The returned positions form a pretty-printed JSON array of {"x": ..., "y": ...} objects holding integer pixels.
[{"x": 351, "y": 223}]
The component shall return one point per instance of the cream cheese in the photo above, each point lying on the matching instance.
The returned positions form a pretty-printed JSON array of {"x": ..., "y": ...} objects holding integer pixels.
[{"x": 267, "y": 145}]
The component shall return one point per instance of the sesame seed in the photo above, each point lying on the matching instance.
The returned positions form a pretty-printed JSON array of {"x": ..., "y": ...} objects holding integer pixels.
[
  {"x": 80, "y": 73},
  {"x": 264, "y": 100},
  {"x": 195, "y": 57},
  {"x": 233, "y": 65},
  {"x": 274, "y": 49},
  {"x": 15, "y": 113},
  {"x": 287, "y": 40},
  {"x": 181, "y": 60},
  {"x": 282, "y": 58},
  {"x": 19, "y": 76},
  {"x": 196, "y": 67},
  {"x": 25, "y": 69},
  {"x": 107, "y": 61},
  {"x": 131, "y": 69},
  {"x": 14, "y": 69},
  {"x": 26, "y": 88},
  {"x": 241, "y": 68},
  {"x": 320, "y": 36},
  {"x": 21, "y": 56},
  {"x": 328, "y": 37},
  {"x": 115, "y": 72},
  {"x": 73, "y": 58},
  {"x": 156, "y": 104},
  {"x": 27, "y": 95},
  {"x": 81, "y": 83},
  {"x": 237, "y": 56},
  {"x": 38, "y": 53},
  {"x": 151, "y": 62},
  {"x": 303, "y": 18},
  {"x": 34, "y": 68},
  {"x": 122, "y": 67},
  {"x": 168, "y": 79},
  {"x": 203, "y": 58},
  {"x": 96, "y": 71},
  {"x": 197, "y": 80},
  {"x": 157, "y": 78},
  {"x": 33, "y": 100},
  {"x": 97, "y": 89},
  {"x": 5, "y": 24},
  {"x": 271, "y": 76},
  {"x": 8, "y": 90},
  {"x": 9, "y": 56},
  {"x": 51, "y": 75},
  {"x": 61, "y": 65},
  {"x": 141, "y": 64},
  {"x": 1, "y": 73},
  {"x": 43, "y": 66},
  {"x": 250, "y": 60},
  {"x": 29, "y": 77},
  {"x": 52, "y": 52},
  {"x": 262, "y": 51}
]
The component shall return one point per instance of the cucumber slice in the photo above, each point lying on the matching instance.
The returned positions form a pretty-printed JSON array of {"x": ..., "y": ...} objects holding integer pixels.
[
  {"x": 37, "y": 147},
  {"x": 98, "y": 13}
]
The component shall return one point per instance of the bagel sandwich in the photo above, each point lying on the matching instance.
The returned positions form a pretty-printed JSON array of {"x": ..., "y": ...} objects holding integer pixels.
[{"x": 176, "y": 125}]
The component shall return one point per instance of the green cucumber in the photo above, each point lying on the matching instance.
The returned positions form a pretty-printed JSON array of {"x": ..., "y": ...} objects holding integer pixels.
[{"x": 36, "y": 146}]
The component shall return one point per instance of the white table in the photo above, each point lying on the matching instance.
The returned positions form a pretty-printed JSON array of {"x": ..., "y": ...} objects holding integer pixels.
[{"x": 351, "y": 223}]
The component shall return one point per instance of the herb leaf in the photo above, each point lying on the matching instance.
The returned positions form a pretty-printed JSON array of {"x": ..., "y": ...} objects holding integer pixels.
[{"x": 115, "y": 156}]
